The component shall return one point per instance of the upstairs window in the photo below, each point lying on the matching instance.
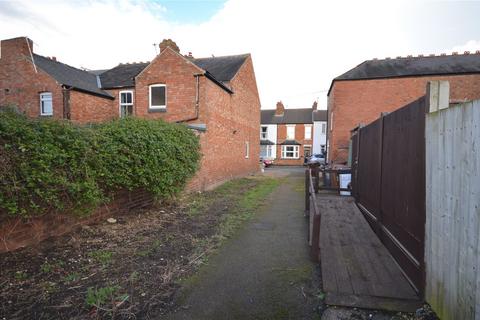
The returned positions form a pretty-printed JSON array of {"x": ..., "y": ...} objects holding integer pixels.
[
  {"x": 290, "y": 132},
  {"x": 158, "y": 96},
  {"x": 308, "y": 132},
  {"x": 46, "y": 107},
  {"x": 324, "y": 127},
  {"x": 126, "y": 103},
  {"x": 263, "y": 132}
]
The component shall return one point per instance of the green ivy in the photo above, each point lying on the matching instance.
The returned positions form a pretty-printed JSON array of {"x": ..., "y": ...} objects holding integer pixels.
[{"x": 49, "y": 165}]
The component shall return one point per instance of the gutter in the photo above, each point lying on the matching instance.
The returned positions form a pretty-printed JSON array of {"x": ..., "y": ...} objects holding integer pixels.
[{"x": 219, "y": 83}]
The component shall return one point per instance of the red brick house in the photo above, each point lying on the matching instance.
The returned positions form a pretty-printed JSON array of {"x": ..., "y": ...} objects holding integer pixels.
[
  {"x": 287, "y": 135},
  {"x": 361, "y": 94},
  {"x": 217, "y": 96}
]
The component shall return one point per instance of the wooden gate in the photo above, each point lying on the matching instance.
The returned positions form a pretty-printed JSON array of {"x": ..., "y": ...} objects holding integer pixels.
[{"x": 388, "y": 158}]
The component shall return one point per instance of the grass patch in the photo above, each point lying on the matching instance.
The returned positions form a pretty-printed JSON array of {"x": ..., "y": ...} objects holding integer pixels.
[
  {"x": 246, "y": 206},
  {"x": 102, "y": 256}
]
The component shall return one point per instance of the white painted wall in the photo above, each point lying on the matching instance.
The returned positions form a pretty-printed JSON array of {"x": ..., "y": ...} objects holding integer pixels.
[
  {"x": 319, "y": 138},
  {"x": 272, "y": 136},
  {"x": 452, "y": 231}
]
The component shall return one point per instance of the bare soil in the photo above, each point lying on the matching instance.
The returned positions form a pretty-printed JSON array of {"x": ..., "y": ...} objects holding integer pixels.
[{"x": 124, "y": 270}]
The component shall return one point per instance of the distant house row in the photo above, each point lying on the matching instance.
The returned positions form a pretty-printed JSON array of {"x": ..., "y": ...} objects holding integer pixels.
[
  {"x": 216, "y": 96},
  {"x": 288, "y": 136},
  {"x": 361, "y": 94}
]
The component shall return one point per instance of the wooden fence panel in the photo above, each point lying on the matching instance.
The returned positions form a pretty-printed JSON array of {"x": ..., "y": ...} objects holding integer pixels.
[
  {"x": 403, "y": 188},
  {"x": 452, "y": 248},
  {"x": 390, "y": 184},
  {"x": 369, "y": 170}
]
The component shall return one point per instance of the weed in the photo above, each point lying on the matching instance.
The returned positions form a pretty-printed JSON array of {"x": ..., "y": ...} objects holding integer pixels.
[
  {"x": 102, "y": 256},
  {"x": 151, "y": 249},
  {"x": 72, "y": 277},
  {"x": 21, "y": 275},
  {"x": 46, "y": 267},
  {"x": 100, "y": 297}
]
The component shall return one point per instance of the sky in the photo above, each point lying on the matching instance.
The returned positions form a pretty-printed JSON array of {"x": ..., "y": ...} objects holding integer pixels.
[{"x": 297, "y": 47}]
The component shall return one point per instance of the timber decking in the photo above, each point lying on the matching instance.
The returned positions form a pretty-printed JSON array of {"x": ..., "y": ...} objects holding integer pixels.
[{"x": 357, "y": 270}]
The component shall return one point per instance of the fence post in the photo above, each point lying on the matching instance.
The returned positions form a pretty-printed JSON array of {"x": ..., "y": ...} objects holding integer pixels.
[
  {"x": 307, "y": 192},
  {"x": 316, "y": 180}
]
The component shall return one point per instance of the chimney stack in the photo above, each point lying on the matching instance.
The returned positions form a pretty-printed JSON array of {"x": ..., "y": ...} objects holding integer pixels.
[
  {"x": 314, "y": 105},
  {"x": 169, "y": 43},
  {"x": 16, "y": 47},
  {"x": 280, "y": 109}
]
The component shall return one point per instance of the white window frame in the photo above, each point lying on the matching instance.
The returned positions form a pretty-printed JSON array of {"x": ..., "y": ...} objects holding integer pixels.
[
  {"x": 295, "y": 151},
  {"x": 269, "y": 151},
  {"x": 247, "y": 149},
  {"x": 157, "y": 107},
  {"x": 120, "y": 104},
  {"x": 309, "y": 137},
  {"x": 289, "y": 126},
  {"x": 46, "y": 96},
  {"x": 261, "y": 133},
  {"x": 324, "y": 127}
]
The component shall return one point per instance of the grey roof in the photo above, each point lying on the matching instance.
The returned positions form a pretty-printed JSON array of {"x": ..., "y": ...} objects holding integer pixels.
[
  {"x": 264, "y": 142},
  {"x": 219, "y": 70},
  {"x": 222, "y": 68},
  {"x": 122, "y": 75},
  {"x": 78, "y": 79},
  {"x": 320, "y": 115},
  {"x": 413, "y": 66},
  {"x": 290, "y": 142},
  {"x": 290, "y": 116}
]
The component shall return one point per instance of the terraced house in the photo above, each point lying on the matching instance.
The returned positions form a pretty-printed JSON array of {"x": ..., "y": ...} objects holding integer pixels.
[
  {"x": 376, "y": 86},
  {"x": 216, "y": 96},
  {"x": 287, "y": 136}
]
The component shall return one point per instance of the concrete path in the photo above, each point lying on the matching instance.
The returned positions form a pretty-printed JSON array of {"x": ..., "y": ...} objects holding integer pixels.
[{"x": 264, "y": 272}]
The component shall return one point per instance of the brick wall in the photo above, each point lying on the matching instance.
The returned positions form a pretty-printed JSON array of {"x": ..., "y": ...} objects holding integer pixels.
[
  {"x": 17, "y": 232},
  {"x": 20, "y": 85},
  {"x": 177, "y": 74},
  {"x": 89, "y": 108},
  {"x": 362, "y": 101},
  {"x": 232, "y": 120},
  {"x": 299, "y": 137}
]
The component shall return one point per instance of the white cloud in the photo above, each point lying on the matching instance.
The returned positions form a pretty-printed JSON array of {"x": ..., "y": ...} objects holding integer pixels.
[
  {"x": 472, "y": 46},
  {"x": 297, "y": 46}
]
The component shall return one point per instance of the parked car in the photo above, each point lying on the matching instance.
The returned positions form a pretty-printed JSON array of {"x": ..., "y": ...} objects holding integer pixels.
[
  {"x": 266, "y": 162},
  {"x": 316, "y": 158}
]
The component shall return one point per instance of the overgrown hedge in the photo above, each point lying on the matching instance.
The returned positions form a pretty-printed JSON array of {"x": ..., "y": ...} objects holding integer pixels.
[{"x": 51, "y": 165}]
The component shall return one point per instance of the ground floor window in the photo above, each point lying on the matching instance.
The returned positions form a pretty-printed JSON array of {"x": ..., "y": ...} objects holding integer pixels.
[
  {"x": 290, "y": 152},
  {"x": 266, "y": 151},
  {"x": 126, "y": 103}
]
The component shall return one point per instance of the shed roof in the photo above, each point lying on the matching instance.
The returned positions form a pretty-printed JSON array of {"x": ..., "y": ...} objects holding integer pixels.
[
  {"x": 290, "y": 116},
  {"x": 78, "y": 79}
]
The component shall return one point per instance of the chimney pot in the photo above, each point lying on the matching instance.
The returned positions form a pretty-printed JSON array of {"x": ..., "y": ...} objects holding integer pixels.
[
  {"x": 466, "y": 52},
  {"x": 454, "y": 53},
  {"x": 314, "y": 105},
  {"x": 477, "y": 52}
]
